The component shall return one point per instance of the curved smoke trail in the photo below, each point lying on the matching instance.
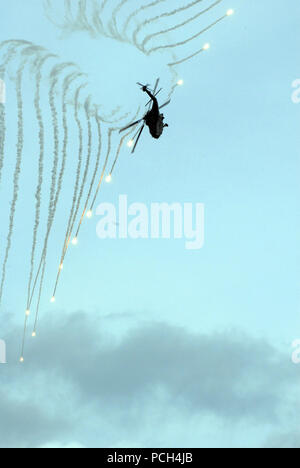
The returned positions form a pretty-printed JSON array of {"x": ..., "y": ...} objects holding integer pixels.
[
  {"x": 72, "y": 217},
  {"x": 12, "y": 49},
  {"x": 110, "y": 131},
  {"x": 113, "y": 26},
  {"x": 177, "y": 26},
  {"x": 39, "y": 117},
  {"x": 54, "y": 194},
  {"x": 69, "y": 232},
  {"x": 96, "y": 166},
  {"x": 16, "y": 173},
  {"x": 87, "y": 105},
  {"x": 158, "y": 17},
  {"x": 137, "y": 12},
  {"x": 73, "y": 214},
  {"x": 186, "y": 41}
]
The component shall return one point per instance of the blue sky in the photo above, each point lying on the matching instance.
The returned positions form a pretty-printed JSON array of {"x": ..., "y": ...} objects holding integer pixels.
[{"x": 227, "y": 313}]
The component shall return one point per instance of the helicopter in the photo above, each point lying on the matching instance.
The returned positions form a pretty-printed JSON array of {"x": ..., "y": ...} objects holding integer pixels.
[{"x": 153, "y": 118}]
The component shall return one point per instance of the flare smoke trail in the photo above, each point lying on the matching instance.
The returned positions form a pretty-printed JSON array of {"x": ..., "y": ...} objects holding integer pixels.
[
  {"x": 87, "y": 165},
  {"x": 177, "y": 44},
  {"x": 110, "y": 131},
  {"x": 158, "y": 17},
  {"x": 12, "y": 49},
  {"x": 184, "y": 23},
  {"x": 38, "y": 303},
  {"x": 122, "y": 141},
  {"x": 82, "y": 16},
  {"x": 39, "y": 116},
  {"x": 119, "y": 150},
  {"x": 66, "y": 85},
  {"x": 88, "y": 117},
  {"x": 185, "y": 59},
  {"x": 137, "y": 12},
  {"x": 73, "y": 214},
  {"x": 67, "y": 240},
  {"x": 54, "y": 194},
  {"x": 16, "y": 173},
  {"x": 72, "y": 217},
  {"x": 96, "y": 166},
  {"x": 113, "y": 26}
]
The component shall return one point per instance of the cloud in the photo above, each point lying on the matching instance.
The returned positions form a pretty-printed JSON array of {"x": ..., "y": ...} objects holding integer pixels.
[
  {"x": 23, "y": 422},
  {"x": 122, "y": 384},
  {"x": 289, "y": 440},
  {"x": 58, "y": 445}
]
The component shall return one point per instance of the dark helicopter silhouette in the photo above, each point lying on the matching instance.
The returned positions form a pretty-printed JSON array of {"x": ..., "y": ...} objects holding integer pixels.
[{"x": 153, "y": 118}]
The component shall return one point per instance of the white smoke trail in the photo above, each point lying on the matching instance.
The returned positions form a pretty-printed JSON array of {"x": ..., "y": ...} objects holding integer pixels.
[
  {"x": 96, "y": 18},
  {"x": 87, "y": 166},
  {"x": 12, "y": 49},
  {"x": 67, "y": 83},
  {"x": 17, "y": 172},
  {"x": 119, "y": 149},
  {"x": 158, "y": 17},
  {"x": 177, "y": 26},
  {"x": 97, "y": 118},
  {"x": 122, "y": 142},
  {"x": 38, "y": 303},
  {"x": 76, "y": 189},
  {"x": 137, "y": 12},
  {"x": 185, "y": 59},
  {"x": 113, "y": 26},
  {"x": 54, "y": 194},
  {"x": 39, "y": 117},
  {"x": 110, "y": 131},
  {"x": 189, "y": 39},
  {"x": 72, "y": 216}
]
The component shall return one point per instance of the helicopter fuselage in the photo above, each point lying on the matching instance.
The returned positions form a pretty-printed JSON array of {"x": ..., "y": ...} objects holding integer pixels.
[
  {"x": 154, "y": 119},
  {"x": 155, "y": 124}
]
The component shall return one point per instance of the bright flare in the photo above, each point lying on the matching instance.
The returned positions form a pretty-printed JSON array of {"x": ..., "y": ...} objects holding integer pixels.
[
  {"x": 130, "y": 143},
  {"x": 230, "y": 12},
  {"x": 206, "y": 46},
  {"x": 89, "y": 214},
  {"x": 75, "y": 241},
  {"x": 27, "y": 313},
  {"x": 180, "y": 82},
  {"x": 21, "y": 359},
  {"x": 33, "y": 334},
  {"x": 61, "y": 266},
  {"x": 108, "y": 179},
  {"x": 52, "y": 299}
]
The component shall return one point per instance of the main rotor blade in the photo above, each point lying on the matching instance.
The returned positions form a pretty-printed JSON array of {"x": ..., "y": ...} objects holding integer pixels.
[
  {"x": 155, "y": 96},
  {"x": 137, "y": 140},
  {"x": 130, "y": 125},
  {"x": 135, "y": 135},
  {"x": 165, "y": 104},
  {"x": 156, "y": 86},
  {"x": 140, "y": 84}
]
